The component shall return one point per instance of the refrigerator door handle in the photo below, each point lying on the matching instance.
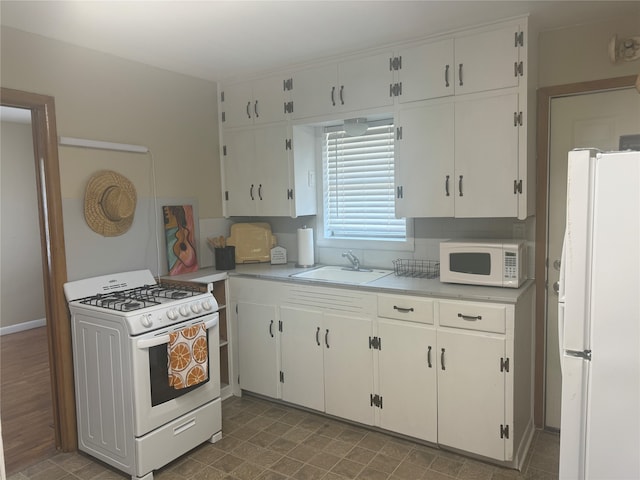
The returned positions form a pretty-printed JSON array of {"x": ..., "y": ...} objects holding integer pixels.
[
  {"x": 561, "y": 333},
  {"x": 563, "y": 267},
  {"x": 583, "y": 354}
]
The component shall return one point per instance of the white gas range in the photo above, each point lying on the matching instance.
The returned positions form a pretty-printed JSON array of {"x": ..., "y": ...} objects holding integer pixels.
[{"x": 129, "y": 415}]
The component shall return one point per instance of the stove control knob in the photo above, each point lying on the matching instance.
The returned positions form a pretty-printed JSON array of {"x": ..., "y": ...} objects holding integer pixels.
[
  {"x": 195, "y": 308},
  {"x": 146, "y": 321},
  {"x": 172, "y": 314},
  {"x": 207, "y": 305},
  {"x": 183, "y": 311}
]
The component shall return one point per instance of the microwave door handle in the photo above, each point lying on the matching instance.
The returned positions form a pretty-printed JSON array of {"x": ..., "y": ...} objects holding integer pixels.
[{"x": 145, "y": 343}]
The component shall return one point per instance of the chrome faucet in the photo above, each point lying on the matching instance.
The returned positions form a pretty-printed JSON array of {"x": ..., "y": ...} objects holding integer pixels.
[{"x": 355, "y": 262}]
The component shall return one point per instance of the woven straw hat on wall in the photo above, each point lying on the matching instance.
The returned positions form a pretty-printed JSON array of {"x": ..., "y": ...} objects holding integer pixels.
[{"x": 109, "y": 203}]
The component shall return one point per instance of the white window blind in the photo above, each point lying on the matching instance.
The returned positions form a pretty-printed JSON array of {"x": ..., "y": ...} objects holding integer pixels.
[{"x": 359, "y": 201}]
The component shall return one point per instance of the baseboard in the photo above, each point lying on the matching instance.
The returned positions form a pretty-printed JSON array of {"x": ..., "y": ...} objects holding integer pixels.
[{"x": 20, "y": 327}]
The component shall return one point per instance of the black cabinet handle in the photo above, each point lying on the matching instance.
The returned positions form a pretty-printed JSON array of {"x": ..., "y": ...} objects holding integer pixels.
[
  {"x": 341, "y": 95},
  {"x": 271, "y": 329},
  {"x": 460, "y": 74},
  {"x": 460, "y": 185},
  {"x": 446, "y": 76},
  {"x": 255, "y": 108},
  {"x": 442, "y": 359},
  {"x": 260, "y": 191},
  {"x": 248, "y": 112},
  {"x": 333, "y": 96},
  {"x": 251, "y": 192},
  {"x": 326, "y": 338},
  {"x": 318, "y": 336},
  {"x": 446, "y": 185},
  {"x": 429, "y": 356},
  {"x": 402, "y": 309}
]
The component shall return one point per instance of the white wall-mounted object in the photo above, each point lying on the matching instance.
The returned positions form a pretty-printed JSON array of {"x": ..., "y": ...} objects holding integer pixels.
[{"x": 101, "y": 145}]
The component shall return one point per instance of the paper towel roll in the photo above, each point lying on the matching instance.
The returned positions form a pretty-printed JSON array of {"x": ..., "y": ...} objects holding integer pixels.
[{"x": 305, "y": 247}]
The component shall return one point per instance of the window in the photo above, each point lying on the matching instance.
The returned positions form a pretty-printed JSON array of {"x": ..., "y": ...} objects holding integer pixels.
[{"x": 358, "y": 186}]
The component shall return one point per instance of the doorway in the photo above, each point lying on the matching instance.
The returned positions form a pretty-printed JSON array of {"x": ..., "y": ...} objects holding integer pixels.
[
  {"x": 590, "y": 114},
  {"x": 54, "y": 270}
]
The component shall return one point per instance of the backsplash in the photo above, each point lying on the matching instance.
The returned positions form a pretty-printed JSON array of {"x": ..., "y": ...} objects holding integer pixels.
[{"x": 428, "y": 232}]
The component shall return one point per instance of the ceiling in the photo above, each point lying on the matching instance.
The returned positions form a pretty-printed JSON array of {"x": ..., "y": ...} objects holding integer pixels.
[{"x": 213, "y": 40}]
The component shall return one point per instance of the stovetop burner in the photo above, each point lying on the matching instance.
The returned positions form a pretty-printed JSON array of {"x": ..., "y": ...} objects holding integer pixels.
[{"x": 138, "y": 298}]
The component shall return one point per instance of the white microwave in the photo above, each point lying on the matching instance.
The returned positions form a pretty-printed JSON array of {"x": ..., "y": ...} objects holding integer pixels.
[{"x": 496, "y": 263}]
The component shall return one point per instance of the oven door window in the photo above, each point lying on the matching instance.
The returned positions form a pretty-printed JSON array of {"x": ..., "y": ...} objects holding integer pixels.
[
  {"x": 161, "y": 392},
  {"x": 473, "y": 263}
]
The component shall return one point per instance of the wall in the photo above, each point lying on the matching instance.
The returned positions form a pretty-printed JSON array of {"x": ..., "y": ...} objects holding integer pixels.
[
  {"x": 102, "y": 97},
  {"x": 21, "y": 297},
  {"x": 580, "y": 53}
]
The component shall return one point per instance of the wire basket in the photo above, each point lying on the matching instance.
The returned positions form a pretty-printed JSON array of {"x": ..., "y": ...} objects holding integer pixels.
[{"x": 417, "y": 268}]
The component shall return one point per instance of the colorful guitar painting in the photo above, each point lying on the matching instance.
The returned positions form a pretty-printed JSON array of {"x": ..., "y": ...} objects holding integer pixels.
[{"x": 180, "y": 235}]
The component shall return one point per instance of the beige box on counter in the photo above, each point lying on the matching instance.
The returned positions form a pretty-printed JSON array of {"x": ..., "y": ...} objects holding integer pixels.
[{"x": 253, "y": 242}]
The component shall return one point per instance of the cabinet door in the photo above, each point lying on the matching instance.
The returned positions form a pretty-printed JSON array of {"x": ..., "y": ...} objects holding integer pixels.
[
  {"x": 364, "y": 83},
  {"x": 301, "y": 353},
  {"x": 314, "y": 91},
  {"x": 486, "y": 156},
  {"x": 237, "y": 105},
  {"x": 271, "y": 170},
  {"x": 427, "y": 71},
  {"x": 425, "y": 157},
  {"x": 239, "y": 172},
  {"x": 471, "y": 392},
  {"x": 486, "y": 61},
  {"x": 348, "y": 367},
  {"x": 407, "y": 367},
  {"x": 268, "y": 100},
  {"x": 258, "y": 349}
]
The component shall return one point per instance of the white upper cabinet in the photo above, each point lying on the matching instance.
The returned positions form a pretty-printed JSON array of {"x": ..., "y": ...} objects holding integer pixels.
[
  {"x": 350, "y": 85},
  {"x": 459, "y": 158},
  {"x": 471, "y": 62},
  {"x": 262, "y": 174},
  {"x": 256, "y": 167},
  {"x": 487, "y": 180},
  {"x": 426, "y": 71},
  {"x": 487, "y": 60},
  {"x": 425, "y": 160},
  {"x": 254, "y": 102}
]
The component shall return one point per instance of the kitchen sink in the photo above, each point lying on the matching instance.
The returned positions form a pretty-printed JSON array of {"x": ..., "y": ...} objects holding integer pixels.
[{"x": 342, "y": 275}]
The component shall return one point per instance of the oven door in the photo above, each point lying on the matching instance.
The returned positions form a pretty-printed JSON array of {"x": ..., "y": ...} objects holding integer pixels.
[{"x": 155, "y": 402}]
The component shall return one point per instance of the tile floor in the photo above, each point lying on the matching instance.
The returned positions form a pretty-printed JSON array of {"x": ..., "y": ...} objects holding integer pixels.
[{"x": 267, "y": 441}]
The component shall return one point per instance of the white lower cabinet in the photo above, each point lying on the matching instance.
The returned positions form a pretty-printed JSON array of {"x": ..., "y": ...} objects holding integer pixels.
[
  {"x": 455, "y": 373},
  {"x": 348, "y": 367},
  {"x": 302, "y": 357},
  {"x": 326, "y": 362},
  {"x": 258, "y": 352},
  {"x": 471, "y": 392},
  {"x": 407, "y": 367}
]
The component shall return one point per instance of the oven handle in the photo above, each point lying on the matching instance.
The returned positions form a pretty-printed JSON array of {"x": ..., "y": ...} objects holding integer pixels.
[{"x": 145, "y": 343}]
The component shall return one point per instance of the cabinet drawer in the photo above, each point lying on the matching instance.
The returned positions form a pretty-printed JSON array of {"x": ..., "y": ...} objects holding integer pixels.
[
  {"x": 473, "y": 316},
  {"x": 413, "y": 309}
]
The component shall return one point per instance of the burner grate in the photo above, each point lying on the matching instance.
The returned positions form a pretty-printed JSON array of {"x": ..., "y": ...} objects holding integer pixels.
[{"x": 140, "y": 297}]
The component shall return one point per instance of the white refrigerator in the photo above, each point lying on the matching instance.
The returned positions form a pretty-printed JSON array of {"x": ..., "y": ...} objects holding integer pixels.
[{"x": 599, "y": 318}]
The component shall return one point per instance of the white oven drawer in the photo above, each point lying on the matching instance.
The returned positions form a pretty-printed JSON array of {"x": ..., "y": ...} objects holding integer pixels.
[
  {"x": 401, "y": 307},
  {"x": 176, "y": 438},
  {"x": 473, "y": 316}
]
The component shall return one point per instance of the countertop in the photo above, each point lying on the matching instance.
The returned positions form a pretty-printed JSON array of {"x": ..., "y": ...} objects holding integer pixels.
[{"x": 388, "y": 284}]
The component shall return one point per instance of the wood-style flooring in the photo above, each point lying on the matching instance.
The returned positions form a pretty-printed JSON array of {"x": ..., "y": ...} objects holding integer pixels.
[{"x": 25, "y": 399}]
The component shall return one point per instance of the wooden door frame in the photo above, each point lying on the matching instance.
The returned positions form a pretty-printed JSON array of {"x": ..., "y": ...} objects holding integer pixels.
[
  {"x": 54, "y": 265},
  {"x": 545, "y": 96}
]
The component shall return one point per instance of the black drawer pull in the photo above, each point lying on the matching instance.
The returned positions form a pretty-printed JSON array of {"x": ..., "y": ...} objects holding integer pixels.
[
  {"x": 470, "y": 318},
  {"x": 402, "y": 309}
]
